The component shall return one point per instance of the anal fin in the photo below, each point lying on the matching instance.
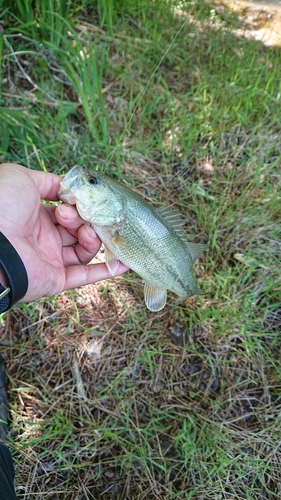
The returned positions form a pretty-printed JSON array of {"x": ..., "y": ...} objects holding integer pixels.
[{"x": 154, "y": 297}]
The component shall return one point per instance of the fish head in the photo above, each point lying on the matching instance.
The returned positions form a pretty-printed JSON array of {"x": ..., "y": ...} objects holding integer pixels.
[{"x": 94, "y": 195}]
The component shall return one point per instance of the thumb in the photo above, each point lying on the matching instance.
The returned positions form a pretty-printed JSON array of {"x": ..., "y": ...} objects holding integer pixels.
[{"x": 68, "y": 217}]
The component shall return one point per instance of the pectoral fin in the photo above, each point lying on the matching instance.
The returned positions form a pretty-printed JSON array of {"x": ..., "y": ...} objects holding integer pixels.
[
  {"x": 154, "y": 297},
  {"x": 111, "y": 261}
]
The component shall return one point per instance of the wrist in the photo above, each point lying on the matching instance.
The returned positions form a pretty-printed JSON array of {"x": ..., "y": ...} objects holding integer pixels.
[
  {"x": 3, "y": 278},
  {"x": 12, "y": 272}
]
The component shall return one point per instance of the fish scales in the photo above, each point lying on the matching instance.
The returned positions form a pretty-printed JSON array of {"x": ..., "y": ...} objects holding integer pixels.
[
  {"x": 155, "y": 258},
  {"x": 136, "y": 233}
]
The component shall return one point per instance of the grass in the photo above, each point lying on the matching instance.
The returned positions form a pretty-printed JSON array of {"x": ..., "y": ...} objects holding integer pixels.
[{"x": 108, "y": 400}]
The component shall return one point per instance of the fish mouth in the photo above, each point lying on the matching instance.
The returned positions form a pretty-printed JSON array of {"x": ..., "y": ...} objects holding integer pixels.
[{"x": 71, "y": 182}]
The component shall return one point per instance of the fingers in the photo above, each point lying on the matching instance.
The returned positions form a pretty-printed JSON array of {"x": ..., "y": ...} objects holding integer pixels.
[
  {"x": 47, "y": 184},
  {"x": 67, "y": 239},
  {"x": 82, "y": 251},
  {"x": 50, "y": 209},
  {"x": 68, "y": 217},
  {"x": 86, "y": 242},
  {"x": 84, "y": 275}
]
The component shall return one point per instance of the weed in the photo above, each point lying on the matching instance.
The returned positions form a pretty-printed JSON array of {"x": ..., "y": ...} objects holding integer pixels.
[{"x": 108, "y": 400}]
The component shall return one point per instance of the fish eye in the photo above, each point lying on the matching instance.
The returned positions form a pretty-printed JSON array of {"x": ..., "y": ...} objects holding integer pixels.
[{"x": 93, "y": 180}]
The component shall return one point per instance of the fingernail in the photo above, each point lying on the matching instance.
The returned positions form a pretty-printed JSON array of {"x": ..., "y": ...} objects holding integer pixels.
[
  {"x": 67, "y": 212},
  {"x": 91, "y": 232}
]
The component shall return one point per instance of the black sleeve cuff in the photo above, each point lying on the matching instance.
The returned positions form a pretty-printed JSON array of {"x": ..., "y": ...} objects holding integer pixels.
[
  {"x": 14, "y": 269},
  {"x": 4, "y": 298}
]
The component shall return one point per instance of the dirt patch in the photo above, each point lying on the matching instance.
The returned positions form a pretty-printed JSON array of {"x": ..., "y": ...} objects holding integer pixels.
[{"x": 261, "y": 19}]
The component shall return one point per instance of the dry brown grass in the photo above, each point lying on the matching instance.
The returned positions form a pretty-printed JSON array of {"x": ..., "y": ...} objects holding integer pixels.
[
  {"x": 106, "y": 399},
  {"x": 101, "y": 394}
]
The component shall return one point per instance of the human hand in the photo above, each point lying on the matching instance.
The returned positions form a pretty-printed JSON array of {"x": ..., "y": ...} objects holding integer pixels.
[{"x": 54, "y": 243}]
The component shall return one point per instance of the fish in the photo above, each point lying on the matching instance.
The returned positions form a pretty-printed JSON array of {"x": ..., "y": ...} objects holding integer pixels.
[{"x": 148, "y": 240}]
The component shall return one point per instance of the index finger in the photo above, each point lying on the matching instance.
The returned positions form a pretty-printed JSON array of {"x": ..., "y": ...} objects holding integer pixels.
[{"x": 48, "y": 184}]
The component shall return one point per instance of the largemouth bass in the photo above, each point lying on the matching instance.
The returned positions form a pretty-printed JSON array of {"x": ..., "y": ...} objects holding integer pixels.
[{"x": 146, "y": 239}]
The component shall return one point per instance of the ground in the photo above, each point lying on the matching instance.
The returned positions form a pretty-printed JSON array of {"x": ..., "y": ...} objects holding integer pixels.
[{"x": 108, "y": 400}]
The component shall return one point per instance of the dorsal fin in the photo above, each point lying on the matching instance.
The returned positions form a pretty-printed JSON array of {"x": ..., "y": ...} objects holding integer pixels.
[{"x": 175, "y": 220}]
